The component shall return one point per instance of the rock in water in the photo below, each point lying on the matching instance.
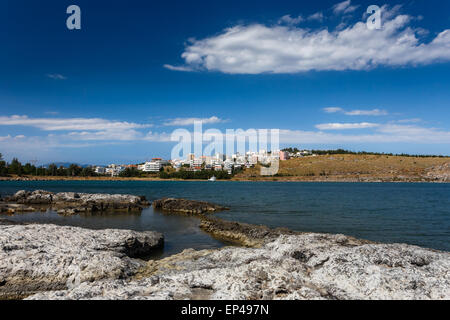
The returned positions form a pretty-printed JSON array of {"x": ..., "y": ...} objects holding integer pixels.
[
  {"x": 304, "y": 266},
  {"x": 36, "y": 258},
  {"x": 243, "y": 234},
  {"x": 186, "y": 206},
  {"x": 69, "y": 203}
]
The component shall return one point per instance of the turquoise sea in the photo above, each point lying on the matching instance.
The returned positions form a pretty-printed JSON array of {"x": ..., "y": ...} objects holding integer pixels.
[{"x": 412, "y": 213}]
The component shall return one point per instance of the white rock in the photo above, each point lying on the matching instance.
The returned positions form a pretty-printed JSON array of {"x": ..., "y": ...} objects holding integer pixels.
[
  {"x": 306, "y": 266},
  {"x": 45, "y": 257}
]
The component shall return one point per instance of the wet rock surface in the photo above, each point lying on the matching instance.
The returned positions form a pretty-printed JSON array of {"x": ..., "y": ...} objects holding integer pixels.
[
  {"x": 186, "y": 206},
  {"x": 37, "y": 257},
  {"x": 303, "y": 266},
  {"x": 244, "y": 234},
  {"x": 11, "y": 208},
  {"x": 69, "y": 203}
]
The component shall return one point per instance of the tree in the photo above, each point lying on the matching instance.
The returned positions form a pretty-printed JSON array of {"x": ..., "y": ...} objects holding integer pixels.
[
  {"x": 62, "y": 171},
  {"x": 52, "y": 170},
  {"x": 29, "y": 169},
  {"x": 87, "y": 172},
  {"x": 130, "y": 172},
  {"x": 3, "y": 168},
  {"x": 74, "y": 170},
  {"x": 15, "y": 167}
]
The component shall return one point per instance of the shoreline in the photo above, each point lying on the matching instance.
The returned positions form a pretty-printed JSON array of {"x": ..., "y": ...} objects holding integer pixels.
[
  {"x": 275, "y": 264},
  {"x": 262, "y": 179}
]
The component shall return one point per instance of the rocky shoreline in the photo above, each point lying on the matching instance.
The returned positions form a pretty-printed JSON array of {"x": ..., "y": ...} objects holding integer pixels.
[
  {"x": 70, "y": 203},
  {"x": 44, "y": 261},
  {"x": 55, "y": 262}
]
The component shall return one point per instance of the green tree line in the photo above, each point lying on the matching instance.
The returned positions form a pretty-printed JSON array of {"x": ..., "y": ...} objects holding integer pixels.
[
  {"x": 130, "y": 172},
  {"x": 16, "y": 168}
]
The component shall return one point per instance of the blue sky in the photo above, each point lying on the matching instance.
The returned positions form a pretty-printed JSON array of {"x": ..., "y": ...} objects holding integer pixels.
[{"x": 115, "y": 90}]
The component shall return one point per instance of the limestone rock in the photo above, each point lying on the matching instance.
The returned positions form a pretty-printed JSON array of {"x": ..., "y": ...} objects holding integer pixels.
[
  {"x": 241, "y": 233},
  {"x": 439, "y": 173},
  {"x": 303, "y": 266},
  {"x": 37, "y": 257},
  {"x": 186, "y": 206},
  {"x": 69, "y": 203}
]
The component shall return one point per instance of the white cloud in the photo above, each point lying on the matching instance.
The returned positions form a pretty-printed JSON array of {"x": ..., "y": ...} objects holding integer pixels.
[
  {"x": 4, "y": 138},
  {"x": 344, "y": 7},
  {"x": 157, "y": 137},
  {"x": 414, "y": 120},
  {"x": 318, "y": 16},
  {"x": 346, "y": 126},
  {"x": 257, "y": 48},
  {"x": 384, "y": 134},
  {"x": 190, "y": 121},
  {"x": 381, "y": 133},
  {"x": 104, "y": 135},
  {"x": 333, "y": 110},
  {"x": 287, "y": 19},
  {"x": 177, "y": 68},
  {"x": 56, "y": 76},
  {"x": 374, "y": 112},
  {"x": 82, "y": 132},
  {"x": 78, "y": 124}
]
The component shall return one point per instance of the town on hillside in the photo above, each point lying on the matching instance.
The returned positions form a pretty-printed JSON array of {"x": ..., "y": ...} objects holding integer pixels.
[{"x": 218, "y": 162}]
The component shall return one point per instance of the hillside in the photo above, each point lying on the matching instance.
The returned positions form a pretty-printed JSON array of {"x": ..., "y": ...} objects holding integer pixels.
[{"x": 357, "y": 168}]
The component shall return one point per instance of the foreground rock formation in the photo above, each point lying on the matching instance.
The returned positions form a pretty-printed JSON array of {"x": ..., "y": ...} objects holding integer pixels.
[
  {"x": 290, "y": 266},
  {"x": 186, "y": 206},
  {"x": 69, "y": 203},
  {"x": 35, "y": 258}
]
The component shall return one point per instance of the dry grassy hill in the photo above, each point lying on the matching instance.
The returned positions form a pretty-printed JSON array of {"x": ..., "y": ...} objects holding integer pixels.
[{"x": 357, "y": 168}]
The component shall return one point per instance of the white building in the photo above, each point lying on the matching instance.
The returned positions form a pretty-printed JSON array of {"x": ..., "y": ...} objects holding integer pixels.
[
  {"x": 152, "y": 166},
  {"x": 100, "y": 170},
  {"x": 252, "y": 160},
  {"x": 220, "y": 157},
  {"x": 114, "y": 170},
  {"x": 155, "y": 165},
  {"x": 197, "y": 162}
]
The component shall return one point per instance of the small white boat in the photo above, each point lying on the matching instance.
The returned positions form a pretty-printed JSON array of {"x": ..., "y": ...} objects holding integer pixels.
[{"x": 213, "y": 178}]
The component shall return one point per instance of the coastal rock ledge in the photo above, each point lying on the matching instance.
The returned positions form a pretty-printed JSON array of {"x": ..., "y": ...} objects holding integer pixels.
[
  {"x": 69, "y": 203},
  {"x": 36, "y": 258},
  {"x": 186, "y": 206},
  {"x": 300, "y": 266}
]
